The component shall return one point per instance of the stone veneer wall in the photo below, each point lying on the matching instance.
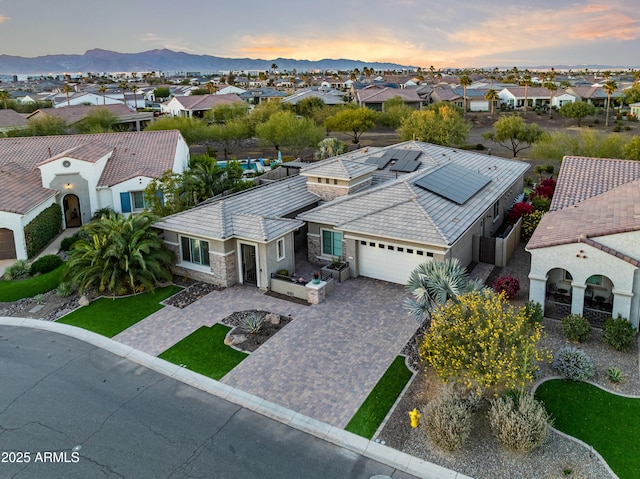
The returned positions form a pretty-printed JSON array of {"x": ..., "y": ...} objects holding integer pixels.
[
  {"x": 222, "y": 273},
  {"x": 360, "y": 186},
  {"x": 329, "y": 192},
  {"x": 314, "y": 249}
]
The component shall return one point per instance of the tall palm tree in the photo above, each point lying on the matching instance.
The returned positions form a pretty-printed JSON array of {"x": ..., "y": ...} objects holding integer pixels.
[
  {"x": 134, "y": 90},
  {"x": 526, "y": 81},
  {"x": 123, "y": 85},
  {"x": 434, "y": 283},
  {"x": 4, "y": 96},
  {"x": 102, "y": 90},
  {"x": 551, "y": 86},
  {"x": 66, "y": 89},
  {"x": 492, "y": 96},
  {"x": 610, "y": 87},
  {"x": 465, "y": 81},
  {"x": 211, "y": 87}
]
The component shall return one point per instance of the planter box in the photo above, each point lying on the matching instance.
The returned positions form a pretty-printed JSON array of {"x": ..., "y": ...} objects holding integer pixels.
[
  {"x": 289, "y": 288},
  {"x": 339, "y": 275}
]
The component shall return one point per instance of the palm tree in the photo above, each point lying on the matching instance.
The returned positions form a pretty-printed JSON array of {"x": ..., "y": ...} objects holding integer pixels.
[
  {"x": 67, "y": 88},
  {"x": 433, "y": 283},
  {"x": 492, "y": 96},
  {"x": 4, "y": 96},
  {"x": 610, "y": 86},
  {"x": 551, "y": 86},
  {"x": 123, "y": 85},
  {"x": 118, "y": 254},
  {"x": 134, "y": 89},
  {"x": 526, "y": 81},
  {"x": 211, "y": 87},
  {"x": 102, "y": 90},
  {"x": 465, "y": 81}
]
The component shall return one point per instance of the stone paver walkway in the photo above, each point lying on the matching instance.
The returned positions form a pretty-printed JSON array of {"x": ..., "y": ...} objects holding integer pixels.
[{"x": 323, "y": 364}]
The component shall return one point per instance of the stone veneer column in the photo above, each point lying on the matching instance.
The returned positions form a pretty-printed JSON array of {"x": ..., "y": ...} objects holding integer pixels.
[{"x": 316, "y": 292}]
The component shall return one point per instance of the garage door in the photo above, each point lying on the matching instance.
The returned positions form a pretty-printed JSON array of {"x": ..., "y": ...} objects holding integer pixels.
[
  {"x": 389, "y": 262},
  {"x": 7, "y": 244}
]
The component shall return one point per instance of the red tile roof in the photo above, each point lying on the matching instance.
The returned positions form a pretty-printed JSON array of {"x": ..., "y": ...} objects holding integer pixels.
[
  {"x": 594, "y": 197},
  {"x": 76, "y": 113},
  {"x": 204, "y": 102},
  {"x": 21, "y": 189}
]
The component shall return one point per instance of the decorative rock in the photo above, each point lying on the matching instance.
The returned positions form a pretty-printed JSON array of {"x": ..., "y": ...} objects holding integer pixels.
[
  {"x": 273, "y": 318},
  {"x": 234, "y": 339},
  {"x": 84, "y": 301}
]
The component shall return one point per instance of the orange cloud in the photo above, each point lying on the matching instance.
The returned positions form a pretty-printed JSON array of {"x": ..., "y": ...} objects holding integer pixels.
[{"x": 596, "y": 8}]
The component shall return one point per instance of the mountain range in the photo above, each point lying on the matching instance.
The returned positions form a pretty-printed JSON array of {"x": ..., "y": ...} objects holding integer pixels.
[{"x": 168, "y": 61}]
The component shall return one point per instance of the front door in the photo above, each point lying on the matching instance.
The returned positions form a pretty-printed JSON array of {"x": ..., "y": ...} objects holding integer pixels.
[
  {"x": 249, "y": 272},
  {"x": 71, "y": 204}
]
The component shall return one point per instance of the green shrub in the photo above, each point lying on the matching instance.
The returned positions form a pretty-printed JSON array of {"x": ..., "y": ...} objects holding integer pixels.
[
  {"x": 596, "y": 121},
  {"x": 45, "y": 264},
  {"x": 618, "y": 333},
  {"x": 19, "y": 270},
  {"x": 42, "y": 229},
  {"x": 99, "y": 213},
  {"x": 576, "y": 327},
  {"x": 541, "y": 203},
  {"x": 615, "y": 375},
  {"x": 64, "y": 289},
  {"x": 533, "y": 311},
  {"x": 67, "y": 243},
  {"x": 617, "y": 128},
  {"x": 447, "y": 420},
  {"x": 519, "y": 422},
  {"x": 283, "y": 272},
  {"x": 573, "y": 363},
  {"x": 528, "y": 181}
]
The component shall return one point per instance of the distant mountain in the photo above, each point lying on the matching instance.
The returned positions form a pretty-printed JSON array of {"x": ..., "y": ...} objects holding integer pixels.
[{"x": 98, "y": 61}]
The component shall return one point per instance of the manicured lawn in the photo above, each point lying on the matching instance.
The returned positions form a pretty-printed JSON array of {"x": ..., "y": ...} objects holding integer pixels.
[
  {"x": 204, "y": 352},
  {"x": 381, "y": 399},
  {"x": 27, "y": 288},
  {"x": 108, "y": 316},
  {"x": 609, "y": 423}
]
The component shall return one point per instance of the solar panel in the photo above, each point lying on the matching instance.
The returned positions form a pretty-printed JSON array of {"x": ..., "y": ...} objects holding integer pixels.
[
  {"x": 454, "y": 182},
  {"x": 380, "y": 162}
]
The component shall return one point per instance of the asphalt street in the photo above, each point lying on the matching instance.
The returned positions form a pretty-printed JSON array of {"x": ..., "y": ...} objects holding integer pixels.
[{"x": 71, "y": 410}]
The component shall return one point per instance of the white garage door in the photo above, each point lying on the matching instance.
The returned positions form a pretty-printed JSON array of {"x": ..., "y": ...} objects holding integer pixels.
[{"x": 389, "y": 262}]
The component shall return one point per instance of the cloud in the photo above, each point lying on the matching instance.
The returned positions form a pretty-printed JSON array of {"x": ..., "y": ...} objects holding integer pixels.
[
  {"x": 158, "y": 41},
  {"x": 3, "y": 18}
]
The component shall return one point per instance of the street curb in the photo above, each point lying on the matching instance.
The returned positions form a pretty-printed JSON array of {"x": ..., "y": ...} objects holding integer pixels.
[{"x": 339, "y": 437}]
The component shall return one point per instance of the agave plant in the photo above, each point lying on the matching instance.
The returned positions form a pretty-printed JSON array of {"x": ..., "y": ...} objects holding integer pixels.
[
  {"x": 251, "y": 324},
  {"x": 433, "y": 283}
]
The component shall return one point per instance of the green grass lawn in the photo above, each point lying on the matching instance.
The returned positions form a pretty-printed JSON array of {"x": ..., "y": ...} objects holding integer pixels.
[
  {"x": 108, "y": 316},
  {"x": 204, "y": 352},
  {"x": 609, "y": 423},
  {"x": 27, "y": 288},
  {"x": 377, "y": 405}
]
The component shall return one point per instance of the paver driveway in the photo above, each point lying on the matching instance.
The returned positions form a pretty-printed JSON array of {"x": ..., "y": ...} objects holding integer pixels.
[{"x": 323, "y": 364}]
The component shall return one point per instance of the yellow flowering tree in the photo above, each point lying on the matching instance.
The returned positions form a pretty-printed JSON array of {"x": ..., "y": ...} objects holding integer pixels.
[{"x": 482, "y": 342}]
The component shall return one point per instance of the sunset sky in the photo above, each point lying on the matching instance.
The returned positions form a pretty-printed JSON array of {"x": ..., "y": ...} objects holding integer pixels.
[{"x": 410, "y": 32}]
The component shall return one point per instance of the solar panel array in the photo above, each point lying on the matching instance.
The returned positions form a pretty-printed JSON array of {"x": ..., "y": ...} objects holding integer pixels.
[
  {"x": 454, "y": 182},
  {"x": 406, "y": 161}
]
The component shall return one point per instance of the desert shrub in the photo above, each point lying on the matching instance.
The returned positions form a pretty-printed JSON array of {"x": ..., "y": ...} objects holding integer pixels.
[
  {"x": 573, "y": 363},
  {"x": 615, "y": 375},
  {"x": 18, "y": 270},
  {"x": 45, "y": 264},
  {"x": 64, "y": 289},
  {"x": 533, "y": 311},
  {"x": 519, "y": 210},
  {"x": 519, "y": 422},
  {"x": 576, "y": 327},
  {"x": 530, "y": 223},
  {"x": 507, "y": 285},
  {"x": 251, "y": 324},
  {"x": 528, "y": 181},
  {"x": 447, "y": 420},
  {"x": 618, "y": 333},
  {"x": 617, "y": 128}
]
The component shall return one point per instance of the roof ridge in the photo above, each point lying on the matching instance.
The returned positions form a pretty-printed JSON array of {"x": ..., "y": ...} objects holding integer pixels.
[{"x": 425, "y": 213}]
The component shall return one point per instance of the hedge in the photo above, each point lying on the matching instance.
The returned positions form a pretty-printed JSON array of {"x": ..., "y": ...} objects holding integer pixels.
[{"x": 42, "y": 229}]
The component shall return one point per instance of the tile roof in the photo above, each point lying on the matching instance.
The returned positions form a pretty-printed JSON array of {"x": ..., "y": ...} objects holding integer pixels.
[
  {"x": 90, "y": 152},
  {"x": 145, "y": 153},
  {"x": 76, "y": 113},
  {"x": 21, "y": 189},
  {"x": 205, "y": 102},
  {"x": 338, "y": 168},
  {"x": 255, "y": 214},
  {"x": 397, "y": 208},
  {"x": 581, "y": 178},
  {"x": 531, "y": 92},
  {"x": 12, "y": 119},
  {"x": 615, "y": 211},
  {"x": 375, "y": 95}
]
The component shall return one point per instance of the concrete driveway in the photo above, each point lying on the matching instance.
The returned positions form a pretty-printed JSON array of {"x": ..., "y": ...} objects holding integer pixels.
[{"x": 323, "y": 364}]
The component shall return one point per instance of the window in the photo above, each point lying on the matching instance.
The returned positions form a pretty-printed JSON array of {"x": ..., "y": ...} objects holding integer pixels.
[
  {"x": 372, "y": 244},
  {"x": 335, "y": 182},
  {"x": 194, "y": 250},
  {"x": 430, "y": 255},
  {"x": 420, "y": 253},
  {"x": 280, "y": 249},
  {"x": 496, "y": 210},
  {"x": 137, "y": 200},
  {"x": 567, "y": 277},
  {"x": 331, "y": 243},
  {"x": 363, "y": 243},
  {"x": 596, "y": 279},
  {"x": 326, "y": 180},
  {"x": 319, "y": 180},
  {"x": 380, "y": 245},
  {"x": 390, "y": 247},
  {"x": 409, "y": 250},
  {"x": 400, "y": 249}
]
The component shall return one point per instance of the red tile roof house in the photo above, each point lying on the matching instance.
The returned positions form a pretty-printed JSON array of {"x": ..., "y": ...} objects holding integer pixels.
[
  {"x": 195, "y": 106},
  {"x": 585, "y": 252},
  {"x": 81, "y": 173}
]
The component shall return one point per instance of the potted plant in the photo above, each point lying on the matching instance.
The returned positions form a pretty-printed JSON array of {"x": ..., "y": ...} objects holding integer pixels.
[
  {"x": 316, "y": 278},
  {"x": 338, "y": 269}
]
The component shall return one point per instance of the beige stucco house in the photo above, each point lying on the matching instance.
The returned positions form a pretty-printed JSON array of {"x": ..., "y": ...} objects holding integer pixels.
[
  {"x": 585, "y": 252},
  {"x": 382, "y": 210}
]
